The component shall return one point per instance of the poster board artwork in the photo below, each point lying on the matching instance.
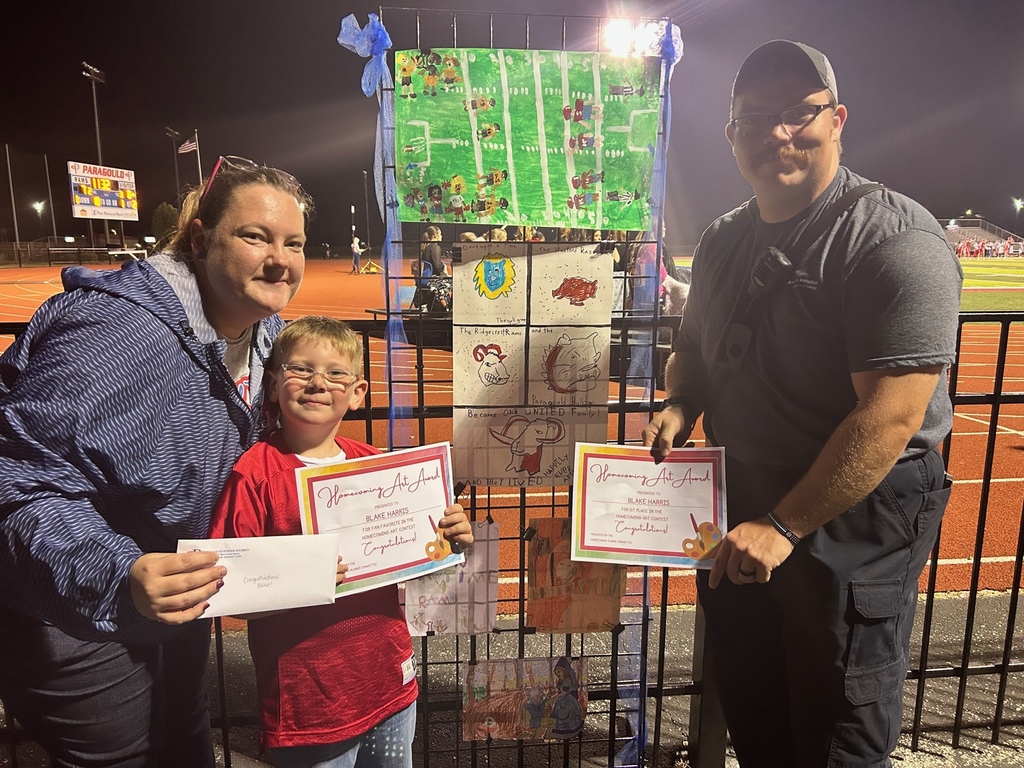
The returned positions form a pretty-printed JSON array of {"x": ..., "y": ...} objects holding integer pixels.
[
  {"x": 542, "y": 698},
  {"x": 531, "y": 343},
  {"x": 509, "y": 137},
  {"x": 566, "y": 596},
  {"x": 463, "y": 599}
]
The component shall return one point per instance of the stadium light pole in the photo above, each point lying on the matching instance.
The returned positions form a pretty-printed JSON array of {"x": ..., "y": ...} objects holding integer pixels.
[
  {"x": 366, "y": 202},
  {"x": 1017, "y": 205},
  {"x": 175, "y": 137},
  {"x": 94, "y": 75}
]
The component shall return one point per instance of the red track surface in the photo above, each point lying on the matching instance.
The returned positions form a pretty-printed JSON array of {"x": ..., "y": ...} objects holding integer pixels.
[{"x": 329, "y": 289}]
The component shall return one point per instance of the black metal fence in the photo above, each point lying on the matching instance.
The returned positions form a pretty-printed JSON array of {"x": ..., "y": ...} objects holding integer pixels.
[
  {"x": 43, "y": 254},
  {"x": 649, "y": 700}
]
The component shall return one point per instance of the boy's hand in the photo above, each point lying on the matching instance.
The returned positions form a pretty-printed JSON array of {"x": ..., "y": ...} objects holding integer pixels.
[
  {"x": 455, "y": 526},
  {"x": 342, "y": 570}
]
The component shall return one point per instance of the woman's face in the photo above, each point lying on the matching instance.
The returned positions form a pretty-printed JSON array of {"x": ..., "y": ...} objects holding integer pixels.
[{"x": 252, "y": 260}]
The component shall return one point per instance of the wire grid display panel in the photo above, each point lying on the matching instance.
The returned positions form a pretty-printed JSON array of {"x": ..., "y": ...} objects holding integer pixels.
[{"x": 616, "y": 657}]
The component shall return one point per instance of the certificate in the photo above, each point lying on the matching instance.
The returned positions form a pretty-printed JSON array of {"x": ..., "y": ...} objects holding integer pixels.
[
  {"x": 385, "y": 509},
  {"x": 270, "y": 573},
  {"x": 627, "y": 509}
]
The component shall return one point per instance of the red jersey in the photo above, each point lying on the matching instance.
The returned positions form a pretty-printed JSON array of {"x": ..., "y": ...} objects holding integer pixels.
[{"x": 325, "y": 673}]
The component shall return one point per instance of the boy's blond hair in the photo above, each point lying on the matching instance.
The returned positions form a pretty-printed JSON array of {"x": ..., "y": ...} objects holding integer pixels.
[{"x": 323, "y": 330}]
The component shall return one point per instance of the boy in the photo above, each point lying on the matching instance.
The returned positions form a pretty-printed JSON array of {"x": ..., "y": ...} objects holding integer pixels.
[{"x": 334, "y": 681}]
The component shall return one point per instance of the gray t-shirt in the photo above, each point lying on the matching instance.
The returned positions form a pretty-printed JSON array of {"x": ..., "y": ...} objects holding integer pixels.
[{"x": 880, "y": 289}]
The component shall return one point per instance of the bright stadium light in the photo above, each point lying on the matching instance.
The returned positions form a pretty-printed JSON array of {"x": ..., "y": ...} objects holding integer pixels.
[
  {"x": 1017, "y": 205},
  {"x": 623, "y": 37},
  {"x": 618, "y": 36}
]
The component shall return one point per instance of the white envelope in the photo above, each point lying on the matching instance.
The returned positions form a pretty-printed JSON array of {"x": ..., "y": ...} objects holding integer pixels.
[{"x": 271, "y": 573}]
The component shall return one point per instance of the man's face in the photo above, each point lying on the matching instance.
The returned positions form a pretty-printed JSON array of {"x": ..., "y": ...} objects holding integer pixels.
[{"x": 783, "y": 158}]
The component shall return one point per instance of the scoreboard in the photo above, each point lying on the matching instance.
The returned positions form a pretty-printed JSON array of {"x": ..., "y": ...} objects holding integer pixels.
[{"x": 99, "y": 192}]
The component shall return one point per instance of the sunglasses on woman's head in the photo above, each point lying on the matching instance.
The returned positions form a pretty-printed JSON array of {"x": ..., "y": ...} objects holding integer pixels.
[{"x": 240, "y": 164}]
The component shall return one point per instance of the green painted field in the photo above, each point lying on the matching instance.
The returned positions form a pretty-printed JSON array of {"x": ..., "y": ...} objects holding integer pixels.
[{"x": 547, "y": 138}]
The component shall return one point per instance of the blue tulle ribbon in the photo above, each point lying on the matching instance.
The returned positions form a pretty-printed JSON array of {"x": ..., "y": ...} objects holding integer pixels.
[
  {"x": 369, "y": 42},
  {"x": 372, "y": 41},
  {"x": 647, "y": 280},
  {"x": 640, "y": 367}
]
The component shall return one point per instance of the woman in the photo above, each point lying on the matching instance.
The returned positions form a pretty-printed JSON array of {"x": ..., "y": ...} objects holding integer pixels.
[
  {"x": 125, "y": 405},
  {"x": 430, "y": 251}
]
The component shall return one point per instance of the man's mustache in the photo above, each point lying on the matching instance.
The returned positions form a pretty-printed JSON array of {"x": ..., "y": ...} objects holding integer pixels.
[{"x": 785, "y": 152}]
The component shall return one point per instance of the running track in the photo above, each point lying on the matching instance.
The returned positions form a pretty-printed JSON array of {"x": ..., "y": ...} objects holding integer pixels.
[{"x": 328, "y": 289}]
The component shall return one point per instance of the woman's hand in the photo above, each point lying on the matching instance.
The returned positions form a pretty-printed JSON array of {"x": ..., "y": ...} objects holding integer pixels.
[
  {"x": 455, "y": 526},
  {"x": 174, "y": 587},
  {"x": 342, "y": 570}
]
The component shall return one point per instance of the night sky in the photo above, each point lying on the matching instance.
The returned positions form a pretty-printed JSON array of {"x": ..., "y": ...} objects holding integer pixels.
[{"x": 934, "y": 88}]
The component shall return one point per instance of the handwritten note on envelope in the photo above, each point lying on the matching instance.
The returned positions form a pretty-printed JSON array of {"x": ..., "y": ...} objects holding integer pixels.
[
  {"x": 271, "y": 573},
  {"x": 627, "y": 509},
  {"x": 385, "y": 509}
]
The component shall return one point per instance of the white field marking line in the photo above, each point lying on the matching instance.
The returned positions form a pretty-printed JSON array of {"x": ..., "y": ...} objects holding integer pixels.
[
  {"x": 598, "y": 124},
  {"x": 979, "y": 434},
  {"x": 1002, "y": 415},
  {"x": 542, "y": 141},
  {"x": 510, "y": 164},
  {"x": 999, "y": 427}
]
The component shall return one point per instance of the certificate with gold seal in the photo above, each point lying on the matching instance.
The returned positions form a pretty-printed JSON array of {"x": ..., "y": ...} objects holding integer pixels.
[
  {"x": 385, "y": 509},
  {"x": 628, "y": 509}
]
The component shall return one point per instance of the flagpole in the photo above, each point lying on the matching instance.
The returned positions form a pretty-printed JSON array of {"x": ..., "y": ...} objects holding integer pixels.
[{"x": 199, "y": 161}]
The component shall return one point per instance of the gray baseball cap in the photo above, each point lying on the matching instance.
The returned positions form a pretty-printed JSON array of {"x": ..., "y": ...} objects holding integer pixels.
[{"x": 778, "y": 57}]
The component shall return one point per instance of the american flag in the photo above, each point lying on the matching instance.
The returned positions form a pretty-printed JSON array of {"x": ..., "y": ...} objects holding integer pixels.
[{"x": 189, "y": 146}]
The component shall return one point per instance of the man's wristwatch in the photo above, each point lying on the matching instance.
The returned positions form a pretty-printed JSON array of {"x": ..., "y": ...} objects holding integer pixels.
[{"x": 783, "y": 529}]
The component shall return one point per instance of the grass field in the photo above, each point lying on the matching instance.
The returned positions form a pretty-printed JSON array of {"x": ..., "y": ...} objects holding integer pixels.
[{"x": 992, "y": 285}]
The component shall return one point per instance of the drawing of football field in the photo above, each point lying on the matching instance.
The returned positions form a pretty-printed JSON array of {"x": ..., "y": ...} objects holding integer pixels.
[{"x": 516, "y": 137}]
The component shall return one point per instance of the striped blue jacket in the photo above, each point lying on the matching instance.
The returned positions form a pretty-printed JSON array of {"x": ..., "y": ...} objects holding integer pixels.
[{"x": 118, "y": 428}]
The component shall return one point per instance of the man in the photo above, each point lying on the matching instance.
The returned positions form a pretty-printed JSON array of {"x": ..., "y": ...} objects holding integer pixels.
[
  {"x": 357, "y": 251},
  {"x": 830, "y": 398}
]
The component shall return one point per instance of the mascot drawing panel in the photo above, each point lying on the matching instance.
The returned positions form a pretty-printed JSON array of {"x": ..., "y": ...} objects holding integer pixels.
[
  {"x": 526, "y": 440},
  {"x": 571, "y": 365}
]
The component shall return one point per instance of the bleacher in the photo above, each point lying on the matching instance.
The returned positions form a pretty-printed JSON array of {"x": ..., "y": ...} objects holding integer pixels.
[{"x": 958, "y": 230}]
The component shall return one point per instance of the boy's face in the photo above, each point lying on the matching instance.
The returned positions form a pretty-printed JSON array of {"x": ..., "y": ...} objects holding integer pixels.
[{"x": 316, "y": 402}]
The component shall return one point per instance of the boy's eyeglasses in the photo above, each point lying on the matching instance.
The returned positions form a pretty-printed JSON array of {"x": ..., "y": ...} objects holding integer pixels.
[
  {"x": 240, "y": 164},
  {"x": 333, "y": 376}
]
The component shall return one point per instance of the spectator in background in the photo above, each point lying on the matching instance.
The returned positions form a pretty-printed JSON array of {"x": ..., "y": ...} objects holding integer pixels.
[
  {"x": 357, "y": 252},
  {"x": 430, "y": 251}
]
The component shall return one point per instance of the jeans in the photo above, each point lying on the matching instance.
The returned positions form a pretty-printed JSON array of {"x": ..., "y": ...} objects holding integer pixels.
[
  {"x": 387, "y": 745},
  {"x": 105, "y": 704},
  {"x": 811, "y": 665}
]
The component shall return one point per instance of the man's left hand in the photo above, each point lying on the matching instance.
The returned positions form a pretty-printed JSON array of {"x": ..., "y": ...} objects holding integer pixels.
[{"x": 749, "y": 553}]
